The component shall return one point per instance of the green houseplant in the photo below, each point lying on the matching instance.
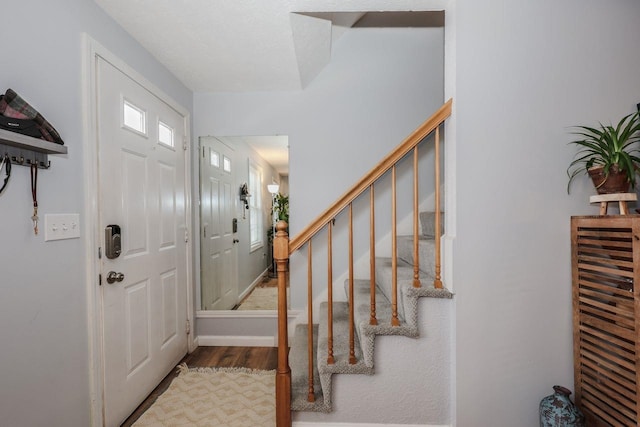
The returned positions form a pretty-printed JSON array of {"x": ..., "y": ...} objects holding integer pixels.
[
  {"x": 281, "y": 207},
  {"x": 280, "y": 212},
  {"x": 608, "y": 154}
]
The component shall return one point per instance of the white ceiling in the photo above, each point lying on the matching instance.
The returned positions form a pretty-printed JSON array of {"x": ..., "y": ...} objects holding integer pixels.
[
  {"x": 273, "y": 149},
  {"x": 245, "y": 45},
  {"x": 256, "y": 45}
]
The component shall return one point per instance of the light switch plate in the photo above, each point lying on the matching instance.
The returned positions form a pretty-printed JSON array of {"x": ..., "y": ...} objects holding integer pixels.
[{"x": 61, "y": 226}]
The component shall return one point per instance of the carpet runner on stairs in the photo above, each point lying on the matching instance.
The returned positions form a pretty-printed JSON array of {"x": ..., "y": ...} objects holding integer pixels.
[{"x": 365, "y": 333}]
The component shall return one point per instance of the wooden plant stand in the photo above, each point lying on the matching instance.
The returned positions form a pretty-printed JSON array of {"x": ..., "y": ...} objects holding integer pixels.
[{"x": 621, "y": 198}]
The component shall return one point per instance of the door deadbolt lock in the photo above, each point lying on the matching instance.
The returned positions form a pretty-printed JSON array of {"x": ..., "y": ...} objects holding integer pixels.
[
  {"x": 112, "y": 241},
  {"x": 112, "y": 277}
]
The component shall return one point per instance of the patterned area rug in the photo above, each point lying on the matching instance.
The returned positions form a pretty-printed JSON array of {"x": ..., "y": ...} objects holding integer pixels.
[
  {"x": 221, "y": 397},
  {"x": 261, "y": 299}
]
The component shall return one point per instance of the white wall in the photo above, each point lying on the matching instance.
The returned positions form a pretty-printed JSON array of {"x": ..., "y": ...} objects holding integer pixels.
[
  {"x": 526, "y": 72},
  {"x": 43, "y": 295},
  {"x": 380, "y": 85}
]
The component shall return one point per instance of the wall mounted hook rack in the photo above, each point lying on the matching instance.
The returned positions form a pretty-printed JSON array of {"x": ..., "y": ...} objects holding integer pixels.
[{"x": 24, "y": 150}]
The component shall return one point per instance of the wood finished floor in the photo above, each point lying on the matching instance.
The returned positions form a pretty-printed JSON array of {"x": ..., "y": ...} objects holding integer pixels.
[{"x": 265, "y": 358}]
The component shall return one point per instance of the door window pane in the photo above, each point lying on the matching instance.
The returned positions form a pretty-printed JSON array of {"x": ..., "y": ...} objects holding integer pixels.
[
  {"x": 134, "y": 118},
  {"x": 165, "y": 134},
  {"x": 226, "y": 164},
  {"x": 215, "y": 158}
]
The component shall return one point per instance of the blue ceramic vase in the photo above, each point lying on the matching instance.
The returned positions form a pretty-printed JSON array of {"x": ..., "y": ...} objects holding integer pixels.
[{"x": 557, "y": 410}]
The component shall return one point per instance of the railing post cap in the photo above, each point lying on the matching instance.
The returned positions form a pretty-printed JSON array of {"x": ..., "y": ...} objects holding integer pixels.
[{"x": 281, "y": 242}]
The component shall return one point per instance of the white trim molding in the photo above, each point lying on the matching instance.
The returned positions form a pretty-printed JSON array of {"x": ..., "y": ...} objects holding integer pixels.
[{"x": 252, "y": 285}]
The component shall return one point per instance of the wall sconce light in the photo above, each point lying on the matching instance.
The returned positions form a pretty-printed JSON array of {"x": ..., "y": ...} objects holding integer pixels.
[{"x": 273, "y": 188}]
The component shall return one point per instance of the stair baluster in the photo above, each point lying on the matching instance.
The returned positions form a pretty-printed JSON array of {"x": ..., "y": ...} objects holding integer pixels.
[
  {"x": 372, "y": 249},
  {"x": 283, "y": 373},
  {"x": 311, "y": 396},
  {"x": 437, "y": 282},
  {"x": 352, "y": 341},
  {"x": 416, "y": 253},
  {"x": 395, "y": 321},
  {"x": 330, "y": 359}
]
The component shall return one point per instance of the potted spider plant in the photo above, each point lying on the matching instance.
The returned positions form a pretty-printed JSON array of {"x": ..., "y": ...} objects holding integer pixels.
[{"x": 608, "y": 154}]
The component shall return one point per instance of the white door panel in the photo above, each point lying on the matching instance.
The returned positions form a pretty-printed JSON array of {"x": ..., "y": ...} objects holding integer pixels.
[{"x": 143, "y": 190}]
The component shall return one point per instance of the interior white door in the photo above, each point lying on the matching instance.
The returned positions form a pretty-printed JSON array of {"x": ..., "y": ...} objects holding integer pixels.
[
  {"x": 218, "y": 261},
  {"x": 142, "y": 189}
]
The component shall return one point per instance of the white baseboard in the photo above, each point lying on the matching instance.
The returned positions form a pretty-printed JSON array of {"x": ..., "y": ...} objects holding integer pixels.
[
  {"x": 320, "y": 424},
  {"x": 236, "y": 341},
  {"x": 252, "y": 285}
]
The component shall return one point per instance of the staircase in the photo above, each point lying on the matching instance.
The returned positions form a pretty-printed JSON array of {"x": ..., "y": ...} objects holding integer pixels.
[
  {"x": 366, "y": 333},
  {"x": 385, "y": 304}
]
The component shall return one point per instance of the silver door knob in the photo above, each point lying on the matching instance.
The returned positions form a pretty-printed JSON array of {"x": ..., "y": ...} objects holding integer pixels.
[{"x": 112, "y": 276}]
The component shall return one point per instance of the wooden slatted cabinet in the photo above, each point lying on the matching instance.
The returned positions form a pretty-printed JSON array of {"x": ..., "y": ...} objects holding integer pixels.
[{"x": 606, "y": 318}]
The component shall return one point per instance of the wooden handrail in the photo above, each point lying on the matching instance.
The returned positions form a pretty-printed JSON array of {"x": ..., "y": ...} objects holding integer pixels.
[{"x": 407, "y": 145}]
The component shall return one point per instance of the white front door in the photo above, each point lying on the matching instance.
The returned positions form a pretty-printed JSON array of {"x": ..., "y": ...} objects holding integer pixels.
[
  {"x": 218, "y": 263},
  {"x": 142, "y": 190}
]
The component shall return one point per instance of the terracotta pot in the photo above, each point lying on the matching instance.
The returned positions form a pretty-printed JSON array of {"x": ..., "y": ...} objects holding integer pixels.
[{"x": 616, "y": 182}]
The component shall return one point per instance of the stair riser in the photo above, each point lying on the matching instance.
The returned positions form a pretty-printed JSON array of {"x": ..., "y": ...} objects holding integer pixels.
[{"x": 427, "y": 222}]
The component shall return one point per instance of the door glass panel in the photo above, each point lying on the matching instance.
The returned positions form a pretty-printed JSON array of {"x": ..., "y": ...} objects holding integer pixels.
[
  {"x": 165, "y": 134},
  {"x": 226, "y": 164},
  {"x": 134, "y": 118},
  {"x": 215, "y": 158}
]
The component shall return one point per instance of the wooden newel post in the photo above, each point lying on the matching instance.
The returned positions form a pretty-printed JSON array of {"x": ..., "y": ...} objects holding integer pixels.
[{"x": 283, "y": 375}]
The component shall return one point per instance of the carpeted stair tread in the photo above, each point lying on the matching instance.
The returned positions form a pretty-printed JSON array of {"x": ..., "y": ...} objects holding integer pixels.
[
  {"x": 362, "y": 307},
  {"x": 340, "y": 351},
  {"x": 405, "y": 284},
  {"x": 367, "y": 332},
  {"x": 408, "y": 297},
  {"x": 298, "y": 361},
  {"x": 340, "y": 342}
]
